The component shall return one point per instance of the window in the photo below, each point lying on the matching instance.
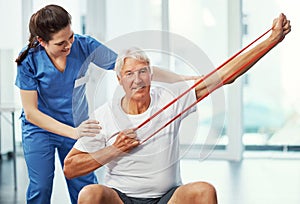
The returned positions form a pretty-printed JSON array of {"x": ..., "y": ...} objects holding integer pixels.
[{"x": 271, "y": 98}]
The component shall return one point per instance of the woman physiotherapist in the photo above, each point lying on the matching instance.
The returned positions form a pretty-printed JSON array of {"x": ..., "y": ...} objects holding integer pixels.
[
  {"x": 46, "y": 74},
  {"x": 49, "y": 72}
]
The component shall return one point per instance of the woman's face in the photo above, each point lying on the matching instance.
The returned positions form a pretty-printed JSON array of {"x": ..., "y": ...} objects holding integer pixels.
[{"x": 61, "y": 43}]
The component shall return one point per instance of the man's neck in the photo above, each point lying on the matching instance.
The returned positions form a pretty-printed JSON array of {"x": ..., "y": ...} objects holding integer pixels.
[{"x": 135, "y": 107}]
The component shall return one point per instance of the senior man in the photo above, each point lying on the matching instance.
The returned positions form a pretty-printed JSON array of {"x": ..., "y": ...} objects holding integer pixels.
[{"x": 149, "y": 172}]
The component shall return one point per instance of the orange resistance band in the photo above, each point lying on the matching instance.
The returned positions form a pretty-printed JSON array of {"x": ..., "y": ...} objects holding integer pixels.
[
  {"x": 260, "y": 54},
  {"x": 200, "y": 81}
]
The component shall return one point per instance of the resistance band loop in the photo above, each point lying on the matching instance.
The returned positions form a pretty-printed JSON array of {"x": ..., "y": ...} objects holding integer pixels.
[
  {"x": 198, "y": 82},
  {"x": 261, "y": 53}
]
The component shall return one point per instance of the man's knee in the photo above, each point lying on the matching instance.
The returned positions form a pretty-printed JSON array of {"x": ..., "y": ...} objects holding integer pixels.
[
  {"x": 90, "y": 194},
  {"x": 197, "y": 192},
  {"x": 204, "y": 187},
  {"x": 202, "y": 191}
]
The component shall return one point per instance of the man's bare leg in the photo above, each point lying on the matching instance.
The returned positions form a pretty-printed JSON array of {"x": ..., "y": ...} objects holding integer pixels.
[
  {"x": 95, "y": 193},
  {"x": 197, "y": 192}
]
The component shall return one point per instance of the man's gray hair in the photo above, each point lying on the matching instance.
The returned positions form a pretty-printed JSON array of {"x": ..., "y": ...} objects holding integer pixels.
[{"x": 134, "y": 53}]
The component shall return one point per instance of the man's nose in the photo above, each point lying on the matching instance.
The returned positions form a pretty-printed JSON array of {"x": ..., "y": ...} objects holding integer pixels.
[{"x": 137, "y": 78}]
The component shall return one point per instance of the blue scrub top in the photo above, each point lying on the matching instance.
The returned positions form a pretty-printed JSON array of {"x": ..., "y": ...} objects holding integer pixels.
[{"x": 57, "y": 96}]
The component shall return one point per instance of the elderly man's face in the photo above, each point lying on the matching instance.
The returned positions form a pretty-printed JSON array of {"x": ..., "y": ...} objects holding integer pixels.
[{"x": 135, "y": 79}]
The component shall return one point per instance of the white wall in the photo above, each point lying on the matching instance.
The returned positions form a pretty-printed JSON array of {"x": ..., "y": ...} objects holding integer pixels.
[
  {"x": 6, "y": 97},
  {"x": 10, "y": 22},
  {"x": 10, "y": 39}
]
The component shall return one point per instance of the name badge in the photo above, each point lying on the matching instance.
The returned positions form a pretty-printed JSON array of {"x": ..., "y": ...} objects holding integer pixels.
[{"x": 81, "y": 81}]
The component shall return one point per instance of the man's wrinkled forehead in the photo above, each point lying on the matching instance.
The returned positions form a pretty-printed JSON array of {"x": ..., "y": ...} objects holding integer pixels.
[{"x": 131, "y": 64}]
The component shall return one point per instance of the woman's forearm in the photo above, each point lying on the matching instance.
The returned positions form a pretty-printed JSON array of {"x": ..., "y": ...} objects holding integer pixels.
[
  {"x": 162, "y": 75},
  {"x": 46, "y": 122}
]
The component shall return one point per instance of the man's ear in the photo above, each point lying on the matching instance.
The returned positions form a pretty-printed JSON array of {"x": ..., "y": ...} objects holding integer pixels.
[
  {"x": 41, "y": 41},
  {"x": 119, "y": 79}
]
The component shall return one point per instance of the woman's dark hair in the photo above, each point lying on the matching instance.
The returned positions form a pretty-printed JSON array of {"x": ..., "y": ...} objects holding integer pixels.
[{"x": 44, "y": 23}]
